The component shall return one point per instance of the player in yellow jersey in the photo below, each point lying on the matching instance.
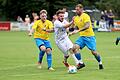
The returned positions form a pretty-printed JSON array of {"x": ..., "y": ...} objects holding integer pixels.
[
  {"x": 87, "y": 36},
  {"x": 41, "y": 29}
]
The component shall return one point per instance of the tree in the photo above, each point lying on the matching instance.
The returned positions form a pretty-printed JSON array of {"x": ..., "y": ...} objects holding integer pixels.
[{"x": 111, "y": 4}]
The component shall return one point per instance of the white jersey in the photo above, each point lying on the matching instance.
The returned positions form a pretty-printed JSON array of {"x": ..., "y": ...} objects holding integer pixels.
[
  {"x": 60, "y": 31},
  {"x": 61, "y": 37}
]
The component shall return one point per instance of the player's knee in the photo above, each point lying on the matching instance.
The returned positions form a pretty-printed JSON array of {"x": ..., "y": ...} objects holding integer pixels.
[
  {"x": 48, "y": 50},
  {"x": 43, "y": 48},
  {"x": 94, "y": 52},
  {"x": 76, "y": 48}
]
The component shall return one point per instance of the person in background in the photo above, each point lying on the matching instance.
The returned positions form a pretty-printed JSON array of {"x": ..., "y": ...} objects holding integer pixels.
[
  {"x": 19, "y": 19},
  {"x": 27, "y": 20},
  {"x": 54, "y": 18},
  {"x": 65, "y": 14},
  {"x": 111, "y": 18},
  {"x": 35, "y": 18}
]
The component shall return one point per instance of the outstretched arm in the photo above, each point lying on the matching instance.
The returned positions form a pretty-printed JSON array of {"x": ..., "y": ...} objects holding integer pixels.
[
  {"x": 86, "y": 26},
  {"x": 31, "y": 32}
]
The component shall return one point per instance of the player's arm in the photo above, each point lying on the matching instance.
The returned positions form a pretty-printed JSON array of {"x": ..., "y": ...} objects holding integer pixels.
[
  {"x": 31, "y": 32},
  {"x": 68, "y": 24},
  {"x": 33, "y": 28},
  {"x": 112, "y": 16},
  {"x": 86, "y": 26},
  {"x": 49, "y": 30}
]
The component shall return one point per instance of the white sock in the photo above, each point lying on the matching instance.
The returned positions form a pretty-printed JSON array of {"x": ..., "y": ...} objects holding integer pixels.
[
  {"x": 75, "y": 59},
  {"x": 100, "y": 62},
  {"x": 80, "y": 61}
]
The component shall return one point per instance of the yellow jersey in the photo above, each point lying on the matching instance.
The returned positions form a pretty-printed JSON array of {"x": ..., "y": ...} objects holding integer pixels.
[
  {"x": 80, "y": 21},
  {"x": 38, "y": 26}
]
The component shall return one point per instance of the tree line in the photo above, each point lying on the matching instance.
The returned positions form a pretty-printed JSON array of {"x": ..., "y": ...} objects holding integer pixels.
[{"x": 10, "y": 9}]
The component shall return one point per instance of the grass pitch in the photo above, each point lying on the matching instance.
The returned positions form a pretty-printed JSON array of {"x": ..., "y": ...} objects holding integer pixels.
[{"x": 18, "y": 59}]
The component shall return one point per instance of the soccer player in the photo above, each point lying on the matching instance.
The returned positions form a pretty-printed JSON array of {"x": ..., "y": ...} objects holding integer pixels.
[
  {"x": 41, "y": 29},
  {"x": 117, "y": 40},
  {"x": 87, "y": 36},
  {"x": 61, "y": 37}
]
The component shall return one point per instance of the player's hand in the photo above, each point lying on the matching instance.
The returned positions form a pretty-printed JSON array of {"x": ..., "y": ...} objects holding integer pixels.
[
  {"x": 74, "y": 32},
  {"x": 73, "y": 18},
  {"x": 43, "y": 29},
  {"x": 71, "y": 33},
  {"x": 30, "y": 34}
]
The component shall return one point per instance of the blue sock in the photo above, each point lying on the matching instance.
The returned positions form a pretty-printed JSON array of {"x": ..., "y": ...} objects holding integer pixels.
[
  {"x": 78, "y": 56},
  {"x": 98, "y": 58},
  {"x": 118, "y": 38},
  {"x": 49, "y": 60},
  {"x": 41, "y": 54}
]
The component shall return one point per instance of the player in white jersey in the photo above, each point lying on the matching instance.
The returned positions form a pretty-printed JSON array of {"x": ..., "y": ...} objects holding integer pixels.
[{"x": 61, "y": 37}]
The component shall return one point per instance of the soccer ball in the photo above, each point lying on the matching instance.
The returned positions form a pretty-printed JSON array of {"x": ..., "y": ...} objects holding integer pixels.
[{"x": 72, "y": 69}]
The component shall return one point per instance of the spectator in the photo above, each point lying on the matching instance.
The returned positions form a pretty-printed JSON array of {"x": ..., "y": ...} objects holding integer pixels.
[
  {"x": 65, "y": 14},
  {"x": 54, "y": 18},
  {"x": 35, "y": 18},
  {"x": 27, "y": 20},
  {"x": 111, "y": 18},
  {"x": 19, "y": 19}
]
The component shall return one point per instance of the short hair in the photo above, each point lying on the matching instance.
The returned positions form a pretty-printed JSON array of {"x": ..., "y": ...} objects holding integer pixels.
[
  {"x": 60, "y": 11},
  {"x": 43, "y": 11},
  {"x": 79, "y": 5}
]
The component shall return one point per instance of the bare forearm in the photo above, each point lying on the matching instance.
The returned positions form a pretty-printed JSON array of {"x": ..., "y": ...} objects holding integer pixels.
[
  {"x": 50, "y": 30},
  {"x": 31, "y": 32},
  {"x": 68, "y": 25},
  {"x": 86, "y": 26}
]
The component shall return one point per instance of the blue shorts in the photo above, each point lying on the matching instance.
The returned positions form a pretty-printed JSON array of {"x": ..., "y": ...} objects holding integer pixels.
[
  {"x": 90, "y": 42},
  {"x": 40, "y": 42}
]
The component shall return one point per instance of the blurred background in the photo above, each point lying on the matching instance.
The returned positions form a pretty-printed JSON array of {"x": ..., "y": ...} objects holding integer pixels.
[
  {"x": 24, "y": 12},
  {"x": 10, "y": 9}
]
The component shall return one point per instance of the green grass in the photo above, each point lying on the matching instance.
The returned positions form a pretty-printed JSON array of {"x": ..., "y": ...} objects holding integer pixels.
[{"x": 18, "y": 59}]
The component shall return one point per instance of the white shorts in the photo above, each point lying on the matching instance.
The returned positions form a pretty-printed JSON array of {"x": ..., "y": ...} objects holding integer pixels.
[{"x": 64, "y": 45}]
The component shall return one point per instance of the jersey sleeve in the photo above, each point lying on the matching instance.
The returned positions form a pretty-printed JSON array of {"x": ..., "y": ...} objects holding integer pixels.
[
  {"x": 35, "y": 25},
  {"x": 75, "y": 20},
  {"x": 50, "y": 25},
  {"x": 86, "y": 18}
]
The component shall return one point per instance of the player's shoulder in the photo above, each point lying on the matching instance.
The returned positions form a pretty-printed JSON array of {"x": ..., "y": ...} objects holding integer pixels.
[
  {"x": 85, "y": 14},
  {"x": 56, "y": 21},
  {"x": 37, "y": 21},
  {"x": 48, "y": 21}
]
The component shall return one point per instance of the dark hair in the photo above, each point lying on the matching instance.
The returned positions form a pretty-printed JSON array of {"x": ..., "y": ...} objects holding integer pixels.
[{"x": 59, "y": 11}]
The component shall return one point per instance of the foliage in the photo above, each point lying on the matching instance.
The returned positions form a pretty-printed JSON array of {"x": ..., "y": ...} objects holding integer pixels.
[
  {"x": 12, "y": 8},
  {"x": 111, "y": 4}
]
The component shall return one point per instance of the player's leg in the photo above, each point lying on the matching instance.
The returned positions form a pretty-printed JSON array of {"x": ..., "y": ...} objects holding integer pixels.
[
  {"x": 79, "y": 44},
  {"x": 49, "y": 54},
  {"x": 73, "y": 56},
  {"x": 78, "y": 56},
  {"x": 42, "y": 49},
  {"x": 69, "y": 47},
  {"x": 62, "y": 46},
  {"x": 98, "y": 58},
  {"x": 91, "y": 44},
  {"x": 117, "y": 40}
]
